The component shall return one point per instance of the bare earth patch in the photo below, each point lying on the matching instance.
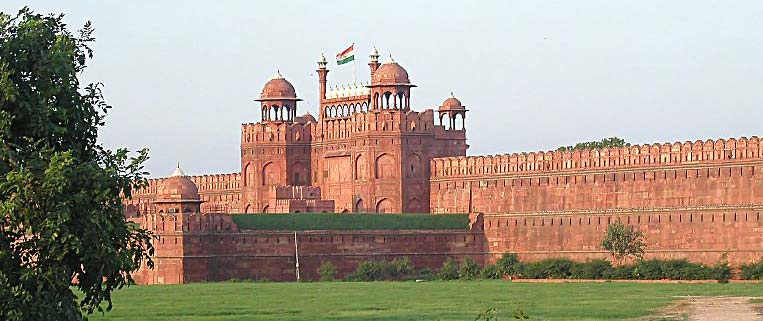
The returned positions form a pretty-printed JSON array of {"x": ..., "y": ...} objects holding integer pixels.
[{"x": 712, "y": 309}]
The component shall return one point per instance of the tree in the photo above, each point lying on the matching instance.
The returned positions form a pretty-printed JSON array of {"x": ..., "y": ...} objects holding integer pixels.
[
  {"x": 606, "y": 142},
  {"x": 623, "y": 241},
  {"x": 61, "y": 220}
]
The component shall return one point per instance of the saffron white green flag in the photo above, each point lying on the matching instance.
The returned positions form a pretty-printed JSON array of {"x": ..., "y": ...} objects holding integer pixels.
[{"x": 346, "y": 55}]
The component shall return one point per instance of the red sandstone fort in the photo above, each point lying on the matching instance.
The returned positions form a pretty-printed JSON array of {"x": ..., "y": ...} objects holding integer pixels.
[{"x": 370, "y": 152}]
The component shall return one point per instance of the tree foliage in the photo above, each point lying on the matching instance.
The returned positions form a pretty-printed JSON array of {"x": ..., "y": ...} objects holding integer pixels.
[
  {"x": 606, "y": 142},
  {"x": 61, "y": 221},
  {"x": 623, "y": 241}
]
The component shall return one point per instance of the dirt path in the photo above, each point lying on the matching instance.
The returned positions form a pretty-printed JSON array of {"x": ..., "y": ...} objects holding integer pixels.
[
  {"x": 710, "y": 309},
  {"x": 722, "y": 309}
]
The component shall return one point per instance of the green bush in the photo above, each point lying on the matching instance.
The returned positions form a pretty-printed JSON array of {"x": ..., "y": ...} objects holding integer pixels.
[
  {"x": 622, "y": 272},
  {"x": 676, "y": 270},
  {"x": 648, "y": 270},
  {"x": 722, "y": 272},
  {"x": 490, "y": 272},
  {"x": 368, "y": 271},
  {"x": 591, "y": 270},
  {"x": 752, "y": 271},
  {"x": 449, "y": 270},
  {"x": 399, "y": 268},
  {"x": 553, "y": 268},
  {"x": 426, "y": 275},
  {"x": 508, "y": 264},
  {"x": 468, "y": 269},
  {"x": 327, "y": 271}
]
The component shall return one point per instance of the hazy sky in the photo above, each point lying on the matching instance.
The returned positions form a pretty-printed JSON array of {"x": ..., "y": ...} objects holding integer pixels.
[{"x": 182, "y": 75}]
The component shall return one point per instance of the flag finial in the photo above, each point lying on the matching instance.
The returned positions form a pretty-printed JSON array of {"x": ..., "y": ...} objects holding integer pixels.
[{"x": 178, "y": 171}]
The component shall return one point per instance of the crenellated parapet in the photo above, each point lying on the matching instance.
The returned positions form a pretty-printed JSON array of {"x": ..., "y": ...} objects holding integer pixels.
[
  {"x": 160, "y": 223},
  {"x": 601, "y": 159}
]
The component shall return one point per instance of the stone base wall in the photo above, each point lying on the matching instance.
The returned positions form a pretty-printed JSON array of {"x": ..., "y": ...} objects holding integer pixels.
[
  {"x": 271, "y": 254},
  {"x": 701, "y": 235}
]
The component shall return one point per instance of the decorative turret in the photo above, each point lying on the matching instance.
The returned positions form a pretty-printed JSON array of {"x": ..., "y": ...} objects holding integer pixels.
[
  {"x": 178, "y": 194},
  {"x": 278, "y": 97},
  {"x": 451, "y": 108},
  {"x": 390, "y": 87}
]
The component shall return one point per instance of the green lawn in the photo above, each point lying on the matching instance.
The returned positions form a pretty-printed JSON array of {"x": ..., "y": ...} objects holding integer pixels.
[
  {"x": 323, "y": 221},
  {"x": 458, "y": 300}
]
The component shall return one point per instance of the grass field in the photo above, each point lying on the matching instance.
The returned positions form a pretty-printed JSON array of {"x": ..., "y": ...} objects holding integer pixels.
[
  {"x": 402, "y": 301},
  {"x": 323, "y": 221}
]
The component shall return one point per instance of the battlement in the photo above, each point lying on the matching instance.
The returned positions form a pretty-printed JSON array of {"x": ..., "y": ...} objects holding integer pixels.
[
  {"x": 217, "y": 182},
  {"x": 601, "y": 159},
  {"x": 195, "y": 222}
]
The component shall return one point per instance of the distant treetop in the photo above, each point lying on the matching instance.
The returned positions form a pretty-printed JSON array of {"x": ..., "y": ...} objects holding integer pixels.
[{"x": 606, "y": 142}]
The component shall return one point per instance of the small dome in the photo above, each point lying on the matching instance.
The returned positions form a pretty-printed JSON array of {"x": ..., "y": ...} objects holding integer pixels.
[
  {"x": 451, "y": 103},
  {"x": 178, "y": 187},
  {"x": 278, "y": 88},
  {"x": 389, "y": 73}
]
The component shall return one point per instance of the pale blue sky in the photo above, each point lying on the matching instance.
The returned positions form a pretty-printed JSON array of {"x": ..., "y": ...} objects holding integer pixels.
[{"x": 182, "y": 75}]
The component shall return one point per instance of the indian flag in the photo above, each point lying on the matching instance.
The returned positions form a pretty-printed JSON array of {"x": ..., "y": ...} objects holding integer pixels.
[{"x": 346, "y": 55}]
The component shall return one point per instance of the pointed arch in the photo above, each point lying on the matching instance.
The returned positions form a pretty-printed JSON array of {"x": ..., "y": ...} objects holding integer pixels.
[
  {"x": 384, "y": 166},
  {"x": 271, "y": 174},
  {"x": 384, "y": 206},
  {"x": 359, "y": 206},
  {"x": 298, "y": 174}
]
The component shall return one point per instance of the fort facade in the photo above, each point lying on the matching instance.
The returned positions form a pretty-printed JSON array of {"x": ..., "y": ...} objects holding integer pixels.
[{"x": 370, "y": 152}]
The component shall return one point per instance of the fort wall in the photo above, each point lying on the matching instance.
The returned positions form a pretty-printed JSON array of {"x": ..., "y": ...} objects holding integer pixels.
[
  {"x": 209, "y": 247},
  {"x": 722, "y": 172},
  {"x": 699, "y": 234}
]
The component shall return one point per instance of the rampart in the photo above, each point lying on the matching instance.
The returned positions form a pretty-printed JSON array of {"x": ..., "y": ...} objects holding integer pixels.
[
  {"x": 209, "y": 247},
  {"x": 722, "y": 172}
]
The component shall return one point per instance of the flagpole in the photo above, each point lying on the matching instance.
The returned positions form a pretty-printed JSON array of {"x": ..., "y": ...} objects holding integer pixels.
[{"x": 354, "y": 80}]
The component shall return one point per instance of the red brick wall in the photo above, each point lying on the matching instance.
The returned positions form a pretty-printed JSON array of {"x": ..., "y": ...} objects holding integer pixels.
[
  {"x": 207, "y": 247},
  {"x": 700, "y": 234},
  {"x": 660, "y": 175}
]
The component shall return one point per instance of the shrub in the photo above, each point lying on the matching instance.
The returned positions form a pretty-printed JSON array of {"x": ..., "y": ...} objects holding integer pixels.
[
  {"x": 752, "y": 271},
  {"x": 468, "y": 269},
  {"x": 594, "y": 269},
  {"x": 327, "y": 271},
  {"x": 648, "y": 270},
  {"x": 368, "y": 271},
  {"x": 676, "y": 270},
  {"x": 427, "y": 275},
  {"x": 554, "y": 268},
  {"x": 722, "y": 272},
  {"x": 449, "y": 270},
  {"x": 508, "y": 264},
  {"x": 399, "y": 268},
  {"x": 490, "y": 272},
  {"x": 622, "y": 272}
]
